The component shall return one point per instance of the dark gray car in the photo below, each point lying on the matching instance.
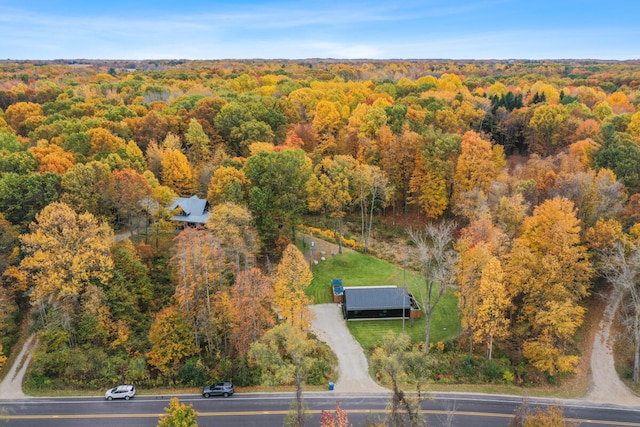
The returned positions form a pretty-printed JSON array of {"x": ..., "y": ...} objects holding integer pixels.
[{"x": 218, "y": 389}]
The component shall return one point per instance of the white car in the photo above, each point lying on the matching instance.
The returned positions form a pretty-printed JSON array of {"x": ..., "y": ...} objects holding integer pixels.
[{"x": 125, "y": 391}]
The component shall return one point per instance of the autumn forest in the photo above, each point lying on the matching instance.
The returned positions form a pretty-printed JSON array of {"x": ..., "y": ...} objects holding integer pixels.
[{"x": 527, "y": 171}]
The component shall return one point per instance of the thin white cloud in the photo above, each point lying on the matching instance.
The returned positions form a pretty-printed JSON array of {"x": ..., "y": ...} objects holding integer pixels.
[
  {"x": 374, "y": 30},
  {"x": 262, "y": 17},
  {"x": 340, "y": 14},
  {"x": 523, "y": 44}
]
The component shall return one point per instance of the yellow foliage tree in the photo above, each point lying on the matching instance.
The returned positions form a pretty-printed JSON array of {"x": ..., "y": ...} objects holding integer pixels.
[
  {"x": 550, "y": 272},
  {"x": 511, "y": 213},
  {"x": 103, "y": 141},
  {"x": 497, "y": 89},
  {"x": 177, "y": 173},
  {"x": 331, "y": 189},
  {"x": 471, "y": 260},
  {"x": 619, "y": 102},
  {"x": 550, "y": 93},
  {"x": 24, "y": 117},
  {"x": 171, "y": 342},
  {"x": 493, "y": 303},
  {"x": 469, "y": 116},
  {"x": 432, "y": 177},
  {"x": 603, "y": 110},
  {"x": 3, "y": 358},
  {"x": 430, "y": 189},
  {"x": 634, "y": 126},
  {"x": 449, "y": 82},
  {"x": 232, "y": 225},
  {"x": 480, "y": 242},
  {"x": 65, "y": 252},
  {"x": 550, "y": 126},
  {"x": 243, "y": 83},
  {"x": 286, "y": 355},
  {"x": 228, "y": 184},
  {"x": 447, "y": 120},
  {"x": 252, "y": 294},
  {"x": 291, "y": 277},
  {"x": 602, "y": 237},
  {"x": 201, "y": 270},
  {"x": 179, "y": 415},
  {"x": 582, "y": 151},
  {"x": 476, "y": 167},
  {"x": 327, "y": 120}
]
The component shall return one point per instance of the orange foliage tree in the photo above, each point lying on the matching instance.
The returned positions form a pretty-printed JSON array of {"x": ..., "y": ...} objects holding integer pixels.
[
  {"x": 252, "y": 297},
  {"x": 128, "y": 192},
  {"x": 475, "y": 171},
  {"x": 52, "y": 158},
  {"x": 201, "y": 271}
]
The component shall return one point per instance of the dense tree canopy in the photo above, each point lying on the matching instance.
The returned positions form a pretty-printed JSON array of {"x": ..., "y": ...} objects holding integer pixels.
[{"x": 537, "y": 161}]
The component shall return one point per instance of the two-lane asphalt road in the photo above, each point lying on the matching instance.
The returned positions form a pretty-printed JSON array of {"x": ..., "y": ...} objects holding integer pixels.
[{"x": 269, "y": 409}]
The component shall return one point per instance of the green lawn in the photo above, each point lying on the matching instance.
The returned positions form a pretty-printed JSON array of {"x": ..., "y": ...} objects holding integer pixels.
[{"x": 356, "y": 269}]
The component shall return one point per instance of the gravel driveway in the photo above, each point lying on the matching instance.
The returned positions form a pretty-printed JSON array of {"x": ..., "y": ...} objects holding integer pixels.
[
  {"x": 606, "y": 386},
  {"x": 330, "y": 327},
  {"x": 11, "y": 385}
]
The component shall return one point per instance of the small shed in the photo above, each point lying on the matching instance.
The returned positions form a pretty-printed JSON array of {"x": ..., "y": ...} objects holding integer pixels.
[
  {"x": 379, "y": 302},
  {"x": 337, "y": 290}
]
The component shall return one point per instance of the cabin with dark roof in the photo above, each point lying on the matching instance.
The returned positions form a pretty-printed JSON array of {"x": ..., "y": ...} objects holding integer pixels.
[{"x": 379, "y": 302}]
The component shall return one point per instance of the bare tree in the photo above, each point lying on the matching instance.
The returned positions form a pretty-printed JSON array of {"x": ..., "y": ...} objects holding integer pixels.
[
  {"x": 446, "y": 420},
  {"x": 373, "y": 190},
  {"x": 622, "y": 270},
  {"x": 435, "y": 259},
  {"x": 399, "y": 363}
]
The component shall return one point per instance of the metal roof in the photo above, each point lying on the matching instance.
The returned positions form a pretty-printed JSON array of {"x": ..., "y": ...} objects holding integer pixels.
[
  {"x": 194, "y": 208},
  {"x": 376, "y": 298}
]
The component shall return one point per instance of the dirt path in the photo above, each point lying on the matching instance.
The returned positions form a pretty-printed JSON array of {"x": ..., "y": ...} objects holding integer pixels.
[
  {"x": 321, "y": 249},
  {"x": 11, "y": 385},
  {"x": 330, "y": 327},
  {"x": 606, "y": 386}
]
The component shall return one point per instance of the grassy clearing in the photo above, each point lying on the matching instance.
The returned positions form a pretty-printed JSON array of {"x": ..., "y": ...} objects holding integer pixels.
[{"x": 356, "y": 269}]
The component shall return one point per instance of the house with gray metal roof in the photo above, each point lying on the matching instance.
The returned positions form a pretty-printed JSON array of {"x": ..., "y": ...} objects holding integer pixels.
[
  {"x": 190, "y": 211},
  {"x": 379, "y": 302}
]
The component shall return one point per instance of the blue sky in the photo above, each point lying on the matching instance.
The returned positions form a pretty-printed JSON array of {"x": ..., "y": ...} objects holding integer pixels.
[{"x": 240, "y": 29}]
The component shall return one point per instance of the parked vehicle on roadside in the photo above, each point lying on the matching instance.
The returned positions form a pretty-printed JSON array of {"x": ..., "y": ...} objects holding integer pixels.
[
  {"x": 124, "y": 391},
  {"x": 218, "y": 389}
]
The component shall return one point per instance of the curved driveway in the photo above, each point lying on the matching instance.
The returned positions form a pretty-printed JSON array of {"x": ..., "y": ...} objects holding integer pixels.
[
  {"x": 11, "y": 385},
  {"x": 330, "y": 327},
  {"x": 606, "y": 386}
]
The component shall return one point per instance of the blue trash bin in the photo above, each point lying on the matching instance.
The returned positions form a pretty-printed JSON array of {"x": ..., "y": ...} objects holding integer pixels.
[{"x": 331, "y": 385}]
